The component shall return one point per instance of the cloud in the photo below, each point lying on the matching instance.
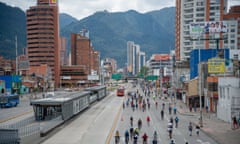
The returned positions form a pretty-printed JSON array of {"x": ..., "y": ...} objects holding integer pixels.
[{"x": 83, "y": 8}]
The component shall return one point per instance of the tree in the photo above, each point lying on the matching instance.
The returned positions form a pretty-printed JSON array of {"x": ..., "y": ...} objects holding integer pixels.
[{"x": 143, "y": 71}]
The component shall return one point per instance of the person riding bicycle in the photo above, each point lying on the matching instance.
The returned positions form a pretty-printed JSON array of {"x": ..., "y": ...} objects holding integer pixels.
[
  {"x": 131, "y": 121},
  {"x": 131, "y": 130},
  {"x": 126, "y": 136},
  {"x": 139, "y": 123},
  {"x": 172, "y": 141},
  {"x": 135, "y": 139},
  {"x": 117, "y": 137},
  {"x": 148, "y": 120},
  {"x": 154, "y": 137},
  {"x": 170, "y": 129},
  {"x": 145, "y": 137}
]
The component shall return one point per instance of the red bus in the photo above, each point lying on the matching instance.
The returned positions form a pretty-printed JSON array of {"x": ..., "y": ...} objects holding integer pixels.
[{"x": 120, "y": 91}]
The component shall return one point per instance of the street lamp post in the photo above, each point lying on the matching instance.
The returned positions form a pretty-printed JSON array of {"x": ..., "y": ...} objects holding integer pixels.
[{"x": 200, "y": 84}]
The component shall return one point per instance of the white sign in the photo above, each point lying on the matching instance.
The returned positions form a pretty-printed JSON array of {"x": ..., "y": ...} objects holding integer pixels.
[{"x": 93, "y": 77}]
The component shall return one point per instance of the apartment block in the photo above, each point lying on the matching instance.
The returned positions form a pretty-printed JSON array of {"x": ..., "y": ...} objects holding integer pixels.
[{"x": 43, "y": 37}]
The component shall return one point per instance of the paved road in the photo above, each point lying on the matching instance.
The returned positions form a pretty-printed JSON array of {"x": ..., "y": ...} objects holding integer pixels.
[
  {"x": 180, "y": 134},
  {"x": 93, "y": 126}
]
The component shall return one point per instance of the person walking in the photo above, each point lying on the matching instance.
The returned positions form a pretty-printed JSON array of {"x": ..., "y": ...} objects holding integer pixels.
[
  {"x": 139, "y": 124},
  {"x": 131, "y": 130},
  {"x": 197, "y": 129}
]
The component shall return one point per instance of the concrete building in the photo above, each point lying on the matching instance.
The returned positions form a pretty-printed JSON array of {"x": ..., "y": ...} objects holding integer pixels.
[
  {"x": 43, "y": 37},
  {"x": 229, "y": 98},
  {"x": 83, "y": 55},
  {"x": 188, "y": 11},
  {"x": 135, "y": 58},
  {"x": 159, "y": 63},
  {"x": 233, "y": 16}
]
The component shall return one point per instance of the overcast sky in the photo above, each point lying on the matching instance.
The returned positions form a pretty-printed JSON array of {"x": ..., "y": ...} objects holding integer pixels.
[{"x": 83, "y": 8}]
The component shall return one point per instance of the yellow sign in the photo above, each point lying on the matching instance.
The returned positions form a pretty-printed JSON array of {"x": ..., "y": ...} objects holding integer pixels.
[{"x": 216, "y": 65}]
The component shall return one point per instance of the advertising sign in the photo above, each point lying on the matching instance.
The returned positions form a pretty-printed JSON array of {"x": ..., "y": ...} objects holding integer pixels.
[
  {"x": 208, "y": 27},
  {"x": 216, "y": 65}
]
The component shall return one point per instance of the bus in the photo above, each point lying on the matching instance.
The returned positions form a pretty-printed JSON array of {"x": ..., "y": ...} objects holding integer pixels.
[
  {"x": 120, "y": 91},
  {"x": 9, "y": 100}
]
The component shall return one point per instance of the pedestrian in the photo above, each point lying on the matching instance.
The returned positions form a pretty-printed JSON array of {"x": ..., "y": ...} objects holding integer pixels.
[
  {"x": 235, "y": 124},
  {"x": 197, "y": 129},
  {"x": 190, "y": 128},
  {"x": 190, "y": 107},
  {"x": 206, "y": 108}
]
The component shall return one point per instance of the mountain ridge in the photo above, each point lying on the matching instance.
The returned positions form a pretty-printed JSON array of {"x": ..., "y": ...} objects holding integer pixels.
[{"x": 109, "y": 32}]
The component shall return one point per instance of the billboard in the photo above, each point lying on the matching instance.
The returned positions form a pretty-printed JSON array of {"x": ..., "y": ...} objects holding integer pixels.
[
  {"x": 208, "y": 27},
  {"x": 216, "y": 65}
]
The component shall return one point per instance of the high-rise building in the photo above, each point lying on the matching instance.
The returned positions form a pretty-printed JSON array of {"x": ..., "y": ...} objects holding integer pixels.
[
  {"x": 43, "y": 36},
  {"x": 189, "y": 11},
  {"x": 134, "y": 55}
]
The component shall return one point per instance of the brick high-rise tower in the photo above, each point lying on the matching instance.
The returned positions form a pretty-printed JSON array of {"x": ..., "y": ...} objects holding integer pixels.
[{"x": 43, "y": 36}]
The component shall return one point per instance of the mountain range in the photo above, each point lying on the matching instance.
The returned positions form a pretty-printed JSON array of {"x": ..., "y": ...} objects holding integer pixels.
[{"x": 109, "y": 32}]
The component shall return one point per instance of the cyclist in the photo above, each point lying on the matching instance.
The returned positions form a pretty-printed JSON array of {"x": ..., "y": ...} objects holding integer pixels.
[
  {"x": 176, "y": 121},
  {"x": 139, "y": 124},
  {"x": 172, "y": 141},
  {"x": 148, "y": 120},
  {"x": 126, "y": 136},
  {"x": 117, "y": 137},
  {"x": 131, "y": 132},
  {"x": 135, "y": 139},
  {"x": 162, "y": 114},
  {"x": 145, "y": 137},
  {"x": 131, "y": 121},
  {"x": 170, "y": 129},
  {"x": 190, "y": 128},
  {"x": 154, "y": 137}
]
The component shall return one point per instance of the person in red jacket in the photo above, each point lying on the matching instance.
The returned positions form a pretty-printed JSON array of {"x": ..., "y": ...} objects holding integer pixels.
[
  {"x": 145, "y": 137},
  {"x": 148, "y": 120}
]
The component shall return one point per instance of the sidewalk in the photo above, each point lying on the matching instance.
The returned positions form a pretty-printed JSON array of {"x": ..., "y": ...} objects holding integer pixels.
[{"x": 217, "y": 129}]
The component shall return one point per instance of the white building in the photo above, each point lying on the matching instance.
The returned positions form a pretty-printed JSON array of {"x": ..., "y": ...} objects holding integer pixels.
[
  {"x": 189, "y": 11},
  {"x": 228, "y": 98},
  {"x": 135, "y": 58}
]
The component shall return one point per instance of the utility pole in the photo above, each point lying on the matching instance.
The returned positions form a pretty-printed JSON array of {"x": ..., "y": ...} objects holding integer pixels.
[
  {"x": 200, "y": 71},
  {"x": 16, "y": 55}
]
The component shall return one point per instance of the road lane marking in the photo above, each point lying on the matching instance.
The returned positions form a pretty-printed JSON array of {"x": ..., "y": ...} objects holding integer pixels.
[
  {"x": 110, "y": 135},
  {"x": 11, "y": 118}
]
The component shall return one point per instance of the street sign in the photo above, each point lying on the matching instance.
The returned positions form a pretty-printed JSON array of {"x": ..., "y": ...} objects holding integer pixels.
[{"x": 152, "y": 77}]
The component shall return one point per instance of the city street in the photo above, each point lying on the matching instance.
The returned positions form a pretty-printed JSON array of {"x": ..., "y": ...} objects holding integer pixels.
[{"x": 180, "y": 134}]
